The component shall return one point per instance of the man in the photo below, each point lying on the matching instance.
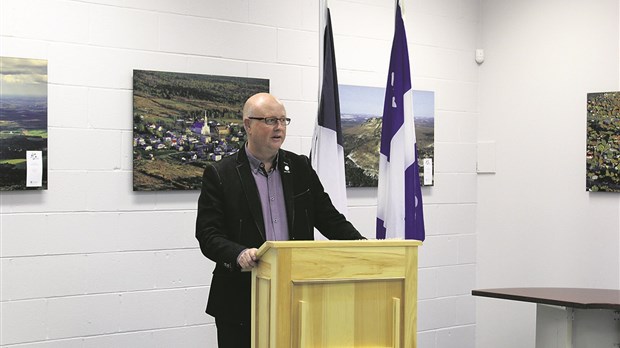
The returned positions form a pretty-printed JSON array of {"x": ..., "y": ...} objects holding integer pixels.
[{"x": 261, "y": 193}]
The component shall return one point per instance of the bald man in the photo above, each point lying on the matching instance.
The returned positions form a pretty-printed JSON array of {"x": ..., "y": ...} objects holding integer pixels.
[{"x": 261, "y": 193}]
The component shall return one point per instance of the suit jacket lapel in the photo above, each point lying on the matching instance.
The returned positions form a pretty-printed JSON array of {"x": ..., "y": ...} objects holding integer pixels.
[
  {"x": 285, "y": 169},
  {"x": 250, "y": 190}
]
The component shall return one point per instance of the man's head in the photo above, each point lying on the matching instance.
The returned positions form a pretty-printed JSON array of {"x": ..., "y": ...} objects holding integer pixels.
[{"x": 264, "y": 138}]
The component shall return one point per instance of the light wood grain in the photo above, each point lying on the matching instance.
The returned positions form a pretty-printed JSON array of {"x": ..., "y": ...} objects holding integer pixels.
[{"x": 335, "y": 294}]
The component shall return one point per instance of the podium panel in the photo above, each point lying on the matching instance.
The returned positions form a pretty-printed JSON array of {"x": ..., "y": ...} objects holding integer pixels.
[
  {"x": 347, "y": 314},
  {"x": 335, "y": 294}
]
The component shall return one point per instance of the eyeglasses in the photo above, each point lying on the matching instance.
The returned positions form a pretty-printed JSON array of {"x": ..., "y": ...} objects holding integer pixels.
[{"x": 271, "y": 121}]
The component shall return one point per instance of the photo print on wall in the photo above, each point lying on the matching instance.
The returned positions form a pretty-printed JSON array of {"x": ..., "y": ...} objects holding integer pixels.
[
  {"x": 603, "y": 142},
  {"x": 181, "y": 121},
  {"x": 361, "y": 110},
  {"x": 23, "y": 124}
]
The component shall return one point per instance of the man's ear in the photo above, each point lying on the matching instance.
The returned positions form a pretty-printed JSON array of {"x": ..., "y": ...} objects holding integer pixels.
[{"x": 246, "y": 125}]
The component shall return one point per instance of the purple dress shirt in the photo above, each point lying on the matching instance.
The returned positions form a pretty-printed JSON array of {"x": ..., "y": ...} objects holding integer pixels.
[{"x": 269, "y": 186}]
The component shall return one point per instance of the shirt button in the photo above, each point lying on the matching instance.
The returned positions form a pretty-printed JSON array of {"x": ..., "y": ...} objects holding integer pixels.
[
  {"x": 275, "y": 220},
  {"x": 272, "y": 198}
]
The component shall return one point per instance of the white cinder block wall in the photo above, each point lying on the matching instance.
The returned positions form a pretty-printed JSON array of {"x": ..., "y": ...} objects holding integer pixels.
[{"x": 89, "y": 263}]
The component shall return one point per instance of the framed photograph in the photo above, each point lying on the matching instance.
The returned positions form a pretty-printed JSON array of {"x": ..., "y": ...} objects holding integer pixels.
[
  {"x": 23, "y": 125},
  {"x": 361, "y": 109},
  {"x": 603, "y": 142},
  {"x": 181, "y": 121}
]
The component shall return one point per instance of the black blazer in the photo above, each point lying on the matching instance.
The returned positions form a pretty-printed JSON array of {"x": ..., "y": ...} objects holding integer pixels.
[{"x": 230, "y": 219}]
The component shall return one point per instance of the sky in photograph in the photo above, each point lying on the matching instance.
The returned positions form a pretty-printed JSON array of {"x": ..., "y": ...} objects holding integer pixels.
[
  {"x": 363, "y": 100},
  {"x": 23, "y": 77}
]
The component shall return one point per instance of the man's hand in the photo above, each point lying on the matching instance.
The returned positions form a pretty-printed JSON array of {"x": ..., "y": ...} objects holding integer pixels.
[{"x": 247, "y": 259}]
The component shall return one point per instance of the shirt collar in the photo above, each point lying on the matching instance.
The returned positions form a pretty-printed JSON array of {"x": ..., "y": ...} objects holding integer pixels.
[{"x": 256, "y": 165}]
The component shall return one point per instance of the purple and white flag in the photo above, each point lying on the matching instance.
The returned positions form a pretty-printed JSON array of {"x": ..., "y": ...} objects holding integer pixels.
[{"x": 399, "y": 206}]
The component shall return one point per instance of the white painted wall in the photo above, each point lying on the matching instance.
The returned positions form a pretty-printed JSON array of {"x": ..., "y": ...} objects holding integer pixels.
[
  {"x": 537, "y": 226},
  {"x": 90, "y": 263}
]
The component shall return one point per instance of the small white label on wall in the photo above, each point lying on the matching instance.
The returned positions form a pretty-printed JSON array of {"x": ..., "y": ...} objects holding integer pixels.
[
  {"x": 428, "y": 171},
  {"x": 34, "y": 168}
]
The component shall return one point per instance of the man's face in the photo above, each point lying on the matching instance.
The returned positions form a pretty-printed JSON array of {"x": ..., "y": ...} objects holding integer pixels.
[{"x": 263, "y": 138}]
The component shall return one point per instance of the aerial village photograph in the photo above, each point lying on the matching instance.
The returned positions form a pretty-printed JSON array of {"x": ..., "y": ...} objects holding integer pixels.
[
  {"x": 181, "y": 121},
  {"x": 603, "y": 142}
]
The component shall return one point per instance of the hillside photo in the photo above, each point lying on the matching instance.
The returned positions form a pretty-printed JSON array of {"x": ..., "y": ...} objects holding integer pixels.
[
  {"x": 361, "y": 110},
  {"x": 23, "y": 123}
]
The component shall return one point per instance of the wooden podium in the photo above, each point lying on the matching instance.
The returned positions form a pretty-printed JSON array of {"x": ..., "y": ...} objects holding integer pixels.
[{"x": 335, "y": 294}]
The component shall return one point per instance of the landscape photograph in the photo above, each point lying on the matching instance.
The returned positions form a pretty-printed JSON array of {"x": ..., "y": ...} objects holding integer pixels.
[
  {"x": 181, "y": 121},
  {"x": 361, "y": 110},
  {"x": 603, "y": 142},
  {"x": 23, "y": 123}
]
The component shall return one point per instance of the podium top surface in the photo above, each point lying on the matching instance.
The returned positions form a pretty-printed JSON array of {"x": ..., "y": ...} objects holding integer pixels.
[
  {"x": 337, "y": 244},
  {"x": 583, "y": 298}
]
